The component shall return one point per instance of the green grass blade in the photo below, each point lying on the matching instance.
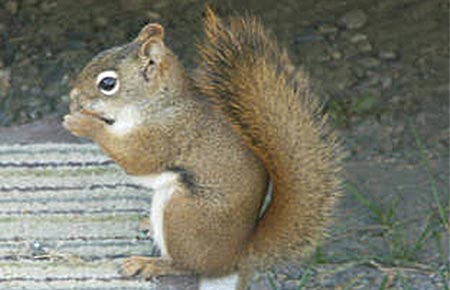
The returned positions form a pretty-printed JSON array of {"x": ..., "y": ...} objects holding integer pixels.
[
  {"x": 271, "y": 282},
  {"x": 427, "y": 166},
  {"x": 305, "y": 279},
  {"x": 383, "y": 284},
  {"x": 365, "y": 201},
  {"x": 424, "y": 236}
]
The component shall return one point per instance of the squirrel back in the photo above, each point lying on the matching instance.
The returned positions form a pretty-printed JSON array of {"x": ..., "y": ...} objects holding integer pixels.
[{"x": 246, "y": 76}]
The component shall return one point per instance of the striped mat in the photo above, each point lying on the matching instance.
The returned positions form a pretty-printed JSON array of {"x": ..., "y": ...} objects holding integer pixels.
[{"x": 68, "y": 217}]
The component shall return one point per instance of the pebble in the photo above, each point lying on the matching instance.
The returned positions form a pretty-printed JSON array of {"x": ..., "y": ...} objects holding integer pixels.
[
  {"x": 37, "y": 249},
  {"x": 47, "y": 6},
  {"x": 386, "y": 82},
  {"x": 12, "y": 7},
  {"x": 358, "y": 37},
  {"x": 353, "y": 19},
  {"x": 153, "y": 15},
  {"x": 336, "y": 54},
  {"x": 291, "y": 285},
  {"x": 396, "y": 100},
  {"x": 364, "y": 46},
  {"x": 387, "y": 55},
  {"x": 369, "y": 62},
  {"x": 101, "y": 21},
  {"x": 327, "y": 29}
]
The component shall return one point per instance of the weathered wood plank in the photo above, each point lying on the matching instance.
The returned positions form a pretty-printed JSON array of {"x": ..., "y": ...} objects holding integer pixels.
[
  {"x": 86, "y": 250},
  {"x": 68, "y": 218},
  {"x": 89, "y": 226}
]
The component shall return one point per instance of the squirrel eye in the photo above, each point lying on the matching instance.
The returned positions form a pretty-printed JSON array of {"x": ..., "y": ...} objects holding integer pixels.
[{"x": 108, "y": 83}]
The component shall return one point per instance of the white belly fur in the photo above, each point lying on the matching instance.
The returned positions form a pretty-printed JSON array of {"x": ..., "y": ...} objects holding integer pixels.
[{"x": 163, "y": 186}]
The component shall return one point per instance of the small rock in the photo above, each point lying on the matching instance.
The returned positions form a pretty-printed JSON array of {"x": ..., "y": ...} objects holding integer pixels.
[
  {"x": 358, "y": 37},
  {"x": 364, "y": 46},
  {"x": 386, "y": 82},
  {"x": 369, "y": 62},
  {"x": 353, "y": 19},
  {"x": 291, "y": 284},
  {"x": 327, "y": 29},
  {"x": 324, "y": 58},
  {"x": 341, "y": 85},
  {"x": 37, "y": 248},
  {"x": 281, "y": 277},
  {"x": 12, "y": 7},
  {"x": 396, "y": 100},
  {"x": 336, "y": 54},
  {"x": 101, "y": 21},
  {"x": 152, "y": 15},
  {"x": 47, "y": 6},
  {"x": 387, "y": 55}
]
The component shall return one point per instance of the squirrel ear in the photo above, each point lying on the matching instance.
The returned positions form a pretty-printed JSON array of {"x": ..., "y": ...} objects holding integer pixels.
[
  {"x": 152, "y": 49},
  {"x": 151, "y": 39},
  {"x": 152, "y": 30}
]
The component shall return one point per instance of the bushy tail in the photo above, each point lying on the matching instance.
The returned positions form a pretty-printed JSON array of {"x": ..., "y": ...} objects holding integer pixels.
[{"x": 246, "y": 76}]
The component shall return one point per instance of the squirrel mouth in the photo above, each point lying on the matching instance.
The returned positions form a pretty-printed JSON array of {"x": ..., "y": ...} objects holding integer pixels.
[{"x": 108, "y": 121}]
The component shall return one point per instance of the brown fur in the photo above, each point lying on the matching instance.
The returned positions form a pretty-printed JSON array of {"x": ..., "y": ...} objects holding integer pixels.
[
  {"x": 261, "y": 125},
  {"x": 247, "y": 77}
]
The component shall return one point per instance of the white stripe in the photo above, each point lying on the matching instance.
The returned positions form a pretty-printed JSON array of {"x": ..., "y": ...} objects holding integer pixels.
[{"x": 163, "y": 185}]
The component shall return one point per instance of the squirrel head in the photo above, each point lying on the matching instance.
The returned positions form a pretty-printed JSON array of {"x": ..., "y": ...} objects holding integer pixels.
[{"x": 118, "y": 82}]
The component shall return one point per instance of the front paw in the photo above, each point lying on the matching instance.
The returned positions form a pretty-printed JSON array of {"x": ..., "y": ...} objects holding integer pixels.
[
  {"x": 82, "y": 125},
  {"x": 139, "y": 266},
  {"x": 131, "y": 267}
]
